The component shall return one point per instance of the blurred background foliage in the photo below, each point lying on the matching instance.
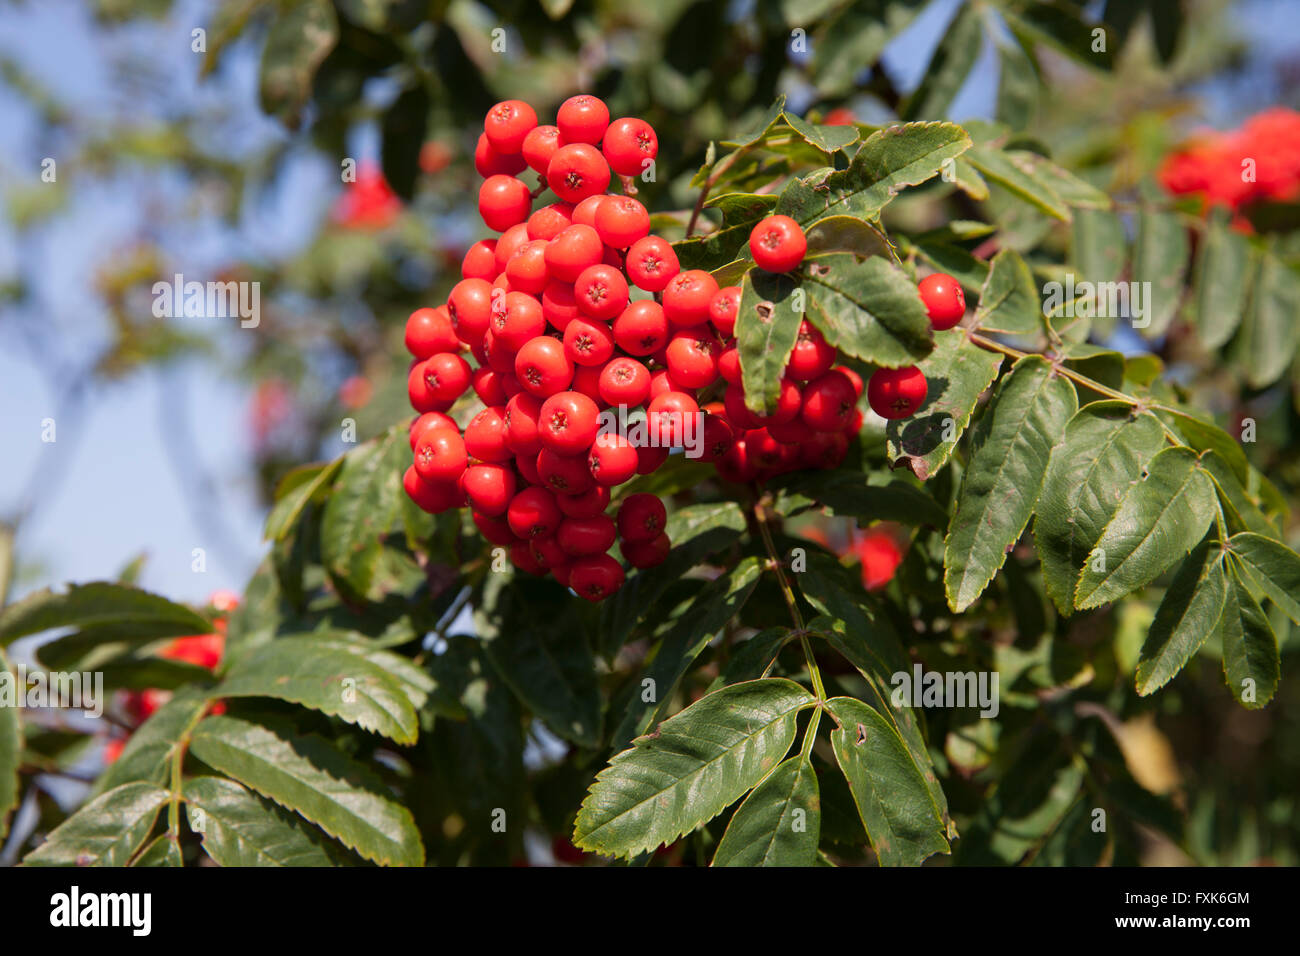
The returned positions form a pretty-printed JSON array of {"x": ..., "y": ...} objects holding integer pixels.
[{"x": 237, "y": 171}]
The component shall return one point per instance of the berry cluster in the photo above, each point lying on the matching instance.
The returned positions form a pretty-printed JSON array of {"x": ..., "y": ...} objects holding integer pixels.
[{"x": 576, "y": 311}]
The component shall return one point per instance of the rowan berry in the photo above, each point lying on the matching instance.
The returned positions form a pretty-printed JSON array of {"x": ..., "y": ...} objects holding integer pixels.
[
  {"x": 641, "y": 517},
  {"x": 582, "y": 536},
  {"x": 646, "y": 554},
  {"x": 489, "y": 162},
  {"x": 470, "y": 308},
  {"x": 582, "y": 119},
  {"x": 692, "y": 357},
  {"x": 440, "y": 455},
  {"x": 896, "y": 392},
  {"x": 495, "y": 530},
  {"x": 621, "y": 221},
  {"x": 629, "y": 145},
  {"x": 434, "y": 497},
  {"x": 542, "y": 367},
  {"x": 687, "y": 296},
  {"x": 652, "y": 263},
  {"x": 564, "y": 474},
  {"x": 485, "y": 435},
  {"x": 777, "y": 244},
  {"x": 625, "y": 381},
  {"x": 568, "y": 423},
  {"x": 642, "y": 328},
  {"x": 612, "y": 460},
  {"x": 517, "y": 319},
  {"x": 507, "y": 124},
  {"x": 480, "y": 261},
  {"x": 601, "y": 292},
  {"x": 812, "y": 354},
  {"x": 572, "y": 251},
  {"x": 539, "y": 146},
  {"x": 503, "y": 201},
  {"x": 526, "y": 269},
  {"x": 533, "y": 513},
  {"x": 944, "y": 300},
  {"x": 549, "y": 221},
  {"x": 588, "y": 342},
  {"x": 577, "y": 171},
  {"x": 588, "y": 504},
  {"x": 829, "y": 402},
  {"x": 595, "y": 576},
  {"x": 489, "y": 487}
]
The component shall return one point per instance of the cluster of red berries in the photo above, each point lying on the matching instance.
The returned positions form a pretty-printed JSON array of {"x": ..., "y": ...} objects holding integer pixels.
[{"x": 576, "y": 310}]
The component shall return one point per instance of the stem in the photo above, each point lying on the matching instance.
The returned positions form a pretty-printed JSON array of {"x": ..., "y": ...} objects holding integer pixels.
[
  {"x": 723, "y": 165},
  {"x": 774, "y": 562}
]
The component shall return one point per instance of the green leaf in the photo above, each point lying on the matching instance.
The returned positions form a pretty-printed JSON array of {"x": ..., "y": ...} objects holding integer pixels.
[
  {"x": 1018, "y": 82},
  {"x": 854, "y": 39},
  {"x": 956, "y": 373},
  {"x": 867, "y": 308},
  {"x": 1159, "y": 520},
  {"x": 770, "y": 119},
  {"x": 1268, "y": 337},
  {"x": 767, "y": 326},
  {"x": 1160, "y": 258},
  {"x": 300, "y": 38},
  {"x": 850, "y": 493},
  {"x": 889, "y": 161},
  {"x": 1011, "y": 448},
  {"x": 295, "y": 491},
  {"x": 105, "y": 832},
  {"x": 696, "y": 531},
  {"x": 1073, "y": 190},
  {"x": 954, "y": 260},
  {"x": 1241, "y": 513},
  {"x": 749, "y": 659},
  {"x": 1222, "y": 268},
  {"x": 1105, "y": 448},
  {"x": 1059, "y": 25},
  {"x": 949, "y": 66},
  {"x": 779, "y": 824},
  {"x": 536, "y": 641},
  {"x": 826, "y": 139},
  {"x": 1271, "y": 565},
  {"x": 1189, "y": 614},
  {"x": 330, "y": 679},
  {"x": 1009, "y": 299},
  {"x": 903, "y": 823},
  {"x": 148, "y": 752},
  {"x": 1250, "y": 660},
  {"x": 11, "y": 747},
  {"x": 240, "y": 828},
  {"x": 693, "y": 766},
  {"x": 717, "y": 603},
  {"x": 1204, "y": 435},
  {"x": 1098, "y": 245},
  {"x": 98, "y": 603},
  {"x": 846, "y": 234},
  {"x": 310, "y": 776},
  {"x": 1000, "y": 167},
  {"x": 163, "y": 851},
  {"x": 365, "y": 505}
]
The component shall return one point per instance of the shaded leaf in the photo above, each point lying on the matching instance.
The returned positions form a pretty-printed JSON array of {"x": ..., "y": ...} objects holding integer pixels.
[
  {"x": 778, "y": 824},
  {"x": 105, "y": 832}
]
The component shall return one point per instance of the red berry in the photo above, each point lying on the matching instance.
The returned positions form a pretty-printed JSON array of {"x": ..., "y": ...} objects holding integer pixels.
[
  {"x": 613, "y": 459},
  {"x": 429, "y": 331},
  {"x": 601, "y": 292},
  {"x": 549, "y": 221},
  {"x": 880, "y": 556},
  {"x": 944, "y": 300},
  {"x": 621, "y": 221},
  {"x": 503, "y": 201},
  {"x": 434, "y": 497},
  {"x": 489, "y": 487},
  {"x": 584, "y": 213},
  {"x": 736, "y": 464},
  {"x": 542, "y": 367},
  {"x": 649, "y": 459},
  {"x": 509, "y": 244},
  {"x": 507, "y": 124},
  {"x": 430, "y": 420},
  {"x": 692, "y": 357},
  {"x": 527, "y": 467},
  {"x": 582, "y": 119},
  {"x": 670, "y": 417},
  {"x": 588, "y": 342},
  {"x": 790, "y": 400},
  {"x": 495, "y": 530},
  {"x": 485, "y": 435},
  {"x": 738, "y": 413},
  {"x": 595, "y": 577},
  {"x": 625, "y": 381},
  {"x": 440, "y": 455},
  {"x": 729, "y": 365},
  {"x": 586, "y": 380},
  {"x": 896, "y": 392},
  {"x": 687, "y": 296},
  {"x": 652, "y": 263},
  {"x": 829, "y": 402},
  {"x": 629, "y": 145},
  {"x": 646, "y": 554},
  {"x": 516, "y": 320},
  {"x": 486, "y": 383},
  {"x": 812, "y": 355},
  {"x": 642, "y": 328},
  {"x": 588, "y": 504},
  {"x": 470, "y": 308},
  {"x": 547, "y": 552},
  {"x": 480, "y": 261},
  {"x": 777, "y": 244},
  {"x": 520, "y": 419},
  {"x": 445, "y": 377},
  {"x": 489, "y": 162},
  {"x": 539, "y": 146},
  {"x": 572, "y": 251},
  {"x": 533, "y": 513},
  {"x": 582, "y": 536},
  {"x": 564, "y": 474},
  {"x": 568, "y": 423},
  {"x": 723, "y": 308},
  {"x": 718, "y": 438},
  {"x": 577, "y": 171},
  {"x": 558, "y": 304},
  {"x": 523, "y": 557},
  {"x": 526, "y": 269},
  {"x": 641, "y": 517},
  {"x": 854, "y": 377}
]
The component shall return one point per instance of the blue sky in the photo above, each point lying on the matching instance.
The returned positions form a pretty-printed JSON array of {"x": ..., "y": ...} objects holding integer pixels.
[{"x": 115, "y": 493}]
